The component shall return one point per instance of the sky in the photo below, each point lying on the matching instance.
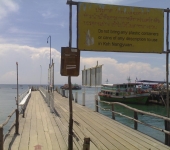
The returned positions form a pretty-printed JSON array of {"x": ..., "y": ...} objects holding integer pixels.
[{"x": 26, "y": 25}]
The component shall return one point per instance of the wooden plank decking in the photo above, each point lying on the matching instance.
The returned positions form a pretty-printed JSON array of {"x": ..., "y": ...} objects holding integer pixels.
[
  {"x": 49, "y": 130},
  {"x": 104, "y": 132},
  {"x": 38, "y": 130}
]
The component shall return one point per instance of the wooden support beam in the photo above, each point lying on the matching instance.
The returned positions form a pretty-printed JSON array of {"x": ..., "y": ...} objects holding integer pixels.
[
  {"x": 167, "y": 137},
  {"x": 96, "y": 104},
  {"x": 17, "y": 122},
  {"x": 1, "y": 138},
  {"x": 71, "y": 2},
  {"x": 113, "y": 114},
  {"x": 86, "y": 144},
  {"x": 135, "y": 123}
]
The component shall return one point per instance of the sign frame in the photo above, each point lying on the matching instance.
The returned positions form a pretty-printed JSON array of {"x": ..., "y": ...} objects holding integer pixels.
[
  {"x": 135, "y": 41},
  {"x": 70, "y": 61}
]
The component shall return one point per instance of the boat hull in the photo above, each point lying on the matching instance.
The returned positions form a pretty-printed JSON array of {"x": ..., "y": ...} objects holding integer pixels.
[{"x": 137, "y": 99}]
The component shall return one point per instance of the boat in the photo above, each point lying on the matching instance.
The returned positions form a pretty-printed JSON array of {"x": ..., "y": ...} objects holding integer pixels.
[
  {"x": 74, "y": 87},
  {"x": 124, "y": 93}
]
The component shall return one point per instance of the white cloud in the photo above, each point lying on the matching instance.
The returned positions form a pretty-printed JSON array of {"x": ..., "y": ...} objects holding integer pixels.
[
  {"x": 30, "y": 58},
  {"x": 6, "y": 7},
  {"x": 117, "y": 72}
]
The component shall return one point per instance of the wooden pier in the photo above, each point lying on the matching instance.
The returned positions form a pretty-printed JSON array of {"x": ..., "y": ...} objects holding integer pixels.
[
  {"x": 49, "y": 131},
  {"x": 38, "y": 130}
]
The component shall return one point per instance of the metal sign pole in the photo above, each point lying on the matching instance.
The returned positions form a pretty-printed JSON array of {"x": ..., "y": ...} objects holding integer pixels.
[{"x": 70, "y": 137}]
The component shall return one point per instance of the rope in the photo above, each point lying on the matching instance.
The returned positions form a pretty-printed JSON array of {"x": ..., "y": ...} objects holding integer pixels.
[{"x": 156, "y": 128}]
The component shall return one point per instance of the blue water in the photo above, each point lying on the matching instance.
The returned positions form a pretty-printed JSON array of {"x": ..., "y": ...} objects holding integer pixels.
[{"x": 8, "y": 104}]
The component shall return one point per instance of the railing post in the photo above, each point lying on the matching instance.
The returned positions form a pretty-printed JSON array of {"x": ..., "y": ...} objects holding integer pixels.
[
  {"x": 62, "y": 92},
  {"x": 113, "y": 114},
  {"x": 76, "y": 97},
  {"x": 167, "y": 137},
  {"x": 86, "y": 144},
  {"x": 23, "y": 112},
  {"x": 66, "y": 93},
  {"x": 17, "y": 122},
  {"x": 83, "y": 99},
  {"x": 1, "y": 138},
  {"x": 135, "y": 123},
  {"x": 72, "y": 97},
  {"x": 48, "y": 98},
  {"x": 46, "y": 95},
  {"x": 96, "y": 105},
  {"x": 51, "y": 103}
]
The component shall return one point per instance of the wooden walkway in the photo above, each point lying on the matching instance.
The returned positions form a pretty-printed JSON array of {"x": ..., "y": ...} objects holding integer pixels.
[
  {"x": 43, "y": 130},
  {"x": 38, "y": 130},
  {"x": 104, "y": 132}
]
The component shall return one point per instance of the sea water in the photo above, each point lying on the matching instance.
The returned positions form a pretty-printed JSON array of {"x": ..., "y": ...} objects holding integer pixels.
[
  {"x": 8, "y": 104},
  {"x": 8, "y": 93},
  {"x": 153, "y": 108}
]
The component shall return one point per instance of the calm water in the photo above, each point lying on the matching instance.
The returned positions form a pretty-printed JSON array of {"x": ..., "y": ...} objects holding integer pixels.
[
  {"x": 8, "y": 104},
  {"x": 8, "y": 92},
  {"x": 161, "y": 110}
]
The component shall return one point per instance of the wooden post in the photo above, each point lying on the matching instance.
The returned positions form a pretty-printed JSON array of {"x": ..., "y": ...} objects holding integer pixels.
[
  {"x": 167, "y": 65},
  {"x": 53, "y": 75},
  {"x": 70, "y": 137},
  {"x": 72, "y": 97},
  {"x": 135, "y": 123},
  {"x": 83, "y": 99},
  {"x": 1, "y": 138},
  {"x": 167, "y": 137},
  {"x": 52, "y": 103},
  {"x": 86, "y": 144},
  {"x": 48, "y": 97},
  {"x": 23, "y": 112},
  {"x": 17, "y": 84},
  {"x": 76, "y": 97},
  {"x": 61, "y": 92},
  {"x": 96, "y": 104},
  {"x": 113, "y": 114},
  {"x": 67, "y": 93},
  {"x": 17, "y": 122}
]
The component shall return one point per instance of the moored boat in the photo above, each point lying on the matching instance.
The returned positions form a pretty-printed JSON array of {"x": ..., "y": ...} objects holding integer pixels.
[
  {"x": 74, "y": 87},
  {"x": 125, "y": 93}
]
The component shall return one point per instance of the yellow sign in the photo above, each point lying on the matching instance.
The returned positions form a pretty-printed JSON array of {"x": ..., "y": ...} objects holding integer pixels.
[{"x": 120, "y": 28}]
